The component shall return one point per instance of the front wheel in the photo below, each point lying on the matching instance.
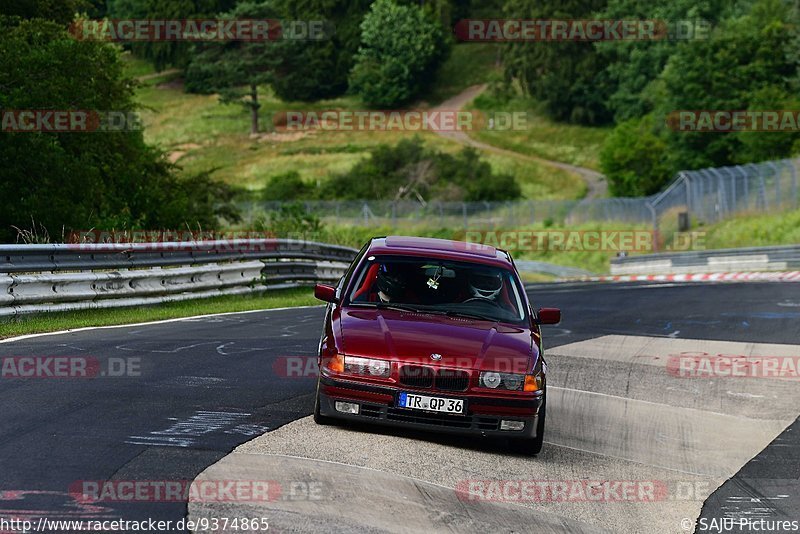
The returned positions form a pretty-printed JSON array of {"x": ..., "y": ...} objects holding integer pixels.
[
  {"x": 318, "y": 417},
  {"x": 531, "y": 446}
]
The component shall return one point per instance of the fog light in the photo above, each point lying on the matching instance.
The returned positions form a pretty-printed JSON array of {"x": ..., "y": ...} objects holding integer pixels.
[
  {"x": 505, "y": 425},
  {"x": 347, "y": 407}
]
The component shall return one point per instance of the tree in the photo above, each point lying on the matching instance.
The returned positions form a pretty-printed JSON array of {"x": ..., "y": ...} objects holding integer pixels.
[
  {"x": 751, "y": 61},
  {"x": 80, "y": 180},
  {"x": 235, "y": 69},
  {"x": 633, "y": 66},
  {"x": 312, "y": 69},
  {"x": 164, "y": 54},
  {"x": 568, "y": 78},
  {"x": 59, "y": 11},
  {"x": 401, "y": 50},
  {"x": 634, "y": 160}
]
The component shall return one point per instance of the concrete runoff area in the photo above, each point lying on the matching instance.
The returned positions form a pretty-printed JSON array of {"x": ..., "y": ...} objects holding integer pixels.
[
  {"x": 617, "y": 413},
  {"x": 344, "y": 498}
]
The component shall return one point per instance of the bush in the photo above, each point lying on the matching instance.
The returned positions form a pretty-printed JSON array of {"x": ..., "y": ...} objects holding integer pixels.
[
  {"x": 409, "y": 170},
  {"x": 287, "y": 186},
  {"x": 292, "y": 219},
  {"x": 634, "y": 158}
]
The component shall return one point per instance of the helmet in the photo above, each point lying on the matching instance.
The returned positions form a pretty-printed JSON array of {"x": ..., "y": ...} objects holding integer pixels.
[
  {"x": 485, "y": 284},
  {"x": 390, "y": 285}
]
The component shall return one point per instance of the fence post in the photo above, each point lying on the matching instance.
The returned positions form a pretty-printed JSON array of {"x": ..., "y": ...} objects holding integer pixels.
[
  {"x": 688, "y": 187},
  {"x": 777, "y": 176},
  {"x": 721, "y": 197},
  {"x": 762, "y": 189},
  {"x": 733, "y": 189},
  {"x": 654, "y": 214},
  {"x": 746, "y": 188}
]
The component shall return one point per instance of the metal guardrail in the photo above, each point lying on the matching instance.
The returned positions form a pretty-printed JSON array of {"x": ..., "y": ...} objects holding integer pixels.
[
  {"x": 711, "y": 261},
  {"x": 60, "y": 277},
  {"x": 529, "y": 266}
]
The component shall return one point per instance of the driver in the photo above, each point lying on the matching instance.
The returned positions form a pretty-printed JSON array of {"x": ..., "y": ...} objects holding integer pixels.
[
  {"x": 485, "y": 285},
  {"x": 390, "y": 286}
]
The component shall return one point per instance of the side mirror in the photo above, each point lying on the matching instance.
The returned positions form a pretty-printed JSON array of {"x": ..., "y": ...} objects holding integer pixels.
[
  {"x": 325, "y": 293},
  {"x": 549, "y": 316}
]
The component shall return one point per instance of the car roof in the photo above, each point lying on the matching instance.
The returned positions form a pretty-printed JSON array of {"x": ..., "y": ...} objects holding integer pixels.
[{"x": 440, "y": 249}]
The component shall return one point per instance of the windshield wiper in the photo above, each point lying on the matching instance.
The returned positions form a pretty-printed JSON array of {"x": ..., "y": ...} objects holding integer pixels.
[
  {"x": 386, "y": 306},
  {"x": 468, "y": 315}
]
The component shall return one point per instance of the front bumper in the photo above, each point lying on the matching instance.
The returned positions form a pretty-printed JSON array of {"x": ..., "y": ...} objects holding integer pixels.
[{"x": 378, "y": 405}]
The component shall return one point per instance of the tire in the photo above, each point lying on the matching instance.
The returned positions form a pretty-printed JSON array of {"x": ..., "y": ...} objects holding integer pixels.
[
  {"x": 531, "y": 446},
  {"x": 318, "y": 417}
]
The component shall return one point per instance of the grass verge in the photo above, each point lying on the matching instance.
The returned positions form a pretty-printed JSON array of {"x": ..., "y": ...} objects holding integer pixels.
[
  {"x": 198, "y": 134},
  {"x": 51, "y": 322},
  {"x": 543, "y": 138}
]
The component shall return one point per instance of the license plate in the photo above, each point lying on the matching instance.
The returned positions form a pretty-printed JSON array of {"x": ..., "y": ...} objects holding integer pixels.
[{"x": 431, "y": 404}]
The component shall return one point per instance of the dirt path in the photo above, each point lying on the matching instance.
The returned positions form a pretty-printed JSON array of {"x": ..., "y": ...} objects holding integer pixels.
[
  {"x": 595, "y": 182},
  {"x": 157, "y": 74}
]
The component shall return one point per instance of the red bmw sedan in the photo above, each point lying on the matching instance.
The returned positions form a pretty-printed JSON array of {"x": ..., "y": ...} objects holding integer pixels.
[{"x": 437, "y": 335}]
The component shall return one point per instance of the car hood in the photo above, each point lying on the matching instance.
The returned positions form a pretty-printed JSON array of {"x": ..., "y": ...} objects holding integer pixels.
[{"x": 413, "y": 337}]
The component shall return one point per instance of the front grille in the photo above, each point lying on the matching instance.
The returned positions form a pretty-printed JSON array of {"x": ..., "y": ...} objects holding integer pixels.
[
  {"x": 450, "y": 380},
  {"x": 420, "y": 376},
  {"x": 416, "y": 376},
  {"x": 452, "y": 421}
]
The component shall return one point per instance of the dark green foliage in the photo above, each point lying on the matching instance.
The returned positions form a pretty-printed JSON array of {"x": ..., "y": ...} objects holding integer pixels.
[
  {"x": 316, "y": 69},
  {"x": 401, "y": 49},
  {"x": 409, "y": 170},
  {"x": 749, "y": 62},
  {"x": 164, "y": 54},
  {"x": 235, "y": 69},
  {"x": 287, "y": 186},
  {"x": 568, "y": 78},
  {"x": 59, "y": 11},
  {"x": 634, "y": 65},
  {"x": 85, "y": 180},
  {"x": 634, "y": 158},
  {"x": 291, "y": 220}
]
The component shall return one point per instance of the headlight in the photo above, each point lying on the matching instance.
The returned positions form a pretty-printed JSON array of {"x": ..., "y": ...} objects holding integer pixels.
[
  {"x": 490, "y": 379},
  {"x": 511, "y": 382},
  {"x": 367, "y": 366}
]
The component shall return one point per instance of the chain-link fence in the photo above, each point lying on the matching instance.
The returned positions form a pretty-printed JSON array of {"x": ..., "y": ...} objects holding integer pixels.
[{"x": 707, "y": 195}]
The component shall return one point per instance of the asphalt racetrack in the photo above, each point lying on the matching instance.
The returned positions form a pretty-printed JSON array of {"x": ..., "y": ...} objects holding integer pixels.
[{"x": 213, "y": 398}]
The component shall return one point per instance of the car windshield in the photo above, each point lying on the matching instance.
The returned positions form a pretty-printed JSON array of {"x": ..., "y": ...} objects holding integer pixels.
[{"x": 438, "y": 286}]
